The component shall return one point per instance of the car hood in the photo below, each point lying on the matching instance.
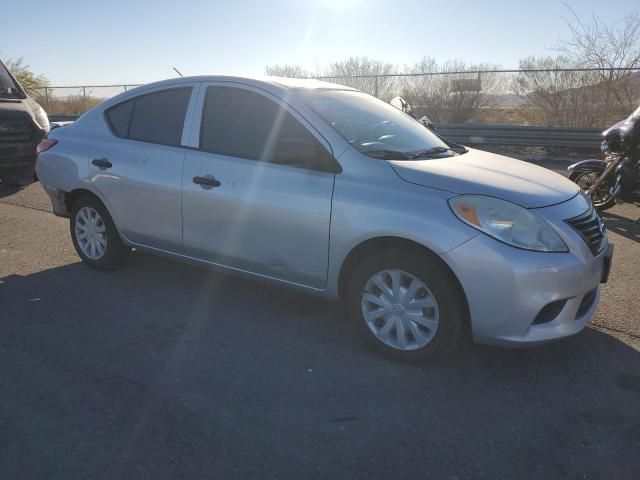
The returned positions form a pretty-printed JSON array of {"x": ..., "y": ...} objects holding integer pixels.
[{"x": 484, "y": 173}]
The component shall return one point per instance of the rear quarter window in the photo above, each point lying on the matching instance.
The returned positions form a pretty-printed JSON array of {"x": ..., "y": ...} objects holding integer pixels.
[{"x": 120, "y": 118}]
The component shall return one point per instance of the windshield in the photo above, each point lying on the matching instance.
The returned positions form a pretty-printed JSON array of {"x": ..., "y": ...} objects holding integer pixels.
[
  {"x": 372, "y": 126},
  {"x": 8, "y": 88}
]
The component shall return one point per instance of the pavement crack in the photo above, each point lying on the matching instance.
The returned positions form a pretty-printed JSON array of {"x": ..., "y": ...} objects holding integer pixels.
[
  {"x": 40, "y": 209},
  {"x": 611, "y": 329}
]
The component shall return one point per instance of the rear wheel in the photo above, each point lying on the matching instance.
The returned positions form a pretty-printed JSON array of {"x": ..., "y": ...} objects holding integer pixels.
[
  {"x": 602, "y": 198},
  {"x": 407, "y": 305},
  {"x": 94, "y": 235}
]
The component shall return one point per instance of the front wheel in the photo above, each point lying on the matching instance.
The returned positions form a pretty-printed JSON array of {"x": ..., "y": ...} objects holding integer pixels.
[
  {"x": 407, "y": 305},
  {"x": 602, "y": 197}
]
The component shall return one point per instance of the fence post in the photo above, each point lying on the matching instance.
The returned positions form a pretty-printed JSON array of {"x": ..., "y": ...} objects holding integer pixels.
[
  {"x": 84, "y": 96},
  {"x": 46, "y": 96},
  {"x": 375, "y": 86},
  {"x": 475, "y": 114},
  {"x": 606, "y": 103}
]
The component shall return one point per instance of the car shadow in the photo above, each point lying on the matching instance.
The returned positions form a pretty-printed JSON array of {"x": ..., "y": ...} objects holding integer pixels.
[
  {"x": 623, "y": 226},
  {"x": 169, "y": 370},
  {"x": 7, "y": 190}
]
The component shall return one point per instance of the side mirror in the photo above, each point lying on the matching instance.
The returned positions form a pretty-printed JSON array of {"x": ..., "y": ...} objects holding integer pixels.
[
  {"x": 401, "y": 104},
  {"x": 304, "y": 153},
  {"x": 426, "y": 121}
]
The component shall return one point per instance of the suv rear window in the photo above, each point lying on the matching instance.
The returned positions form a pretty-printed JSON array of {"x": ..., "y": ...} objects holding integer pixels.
[{"x": 155, "y": 117}]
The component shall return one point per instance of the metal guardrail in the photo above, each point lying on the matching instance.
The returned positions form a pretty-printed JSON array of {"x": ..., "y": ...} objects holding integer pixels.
[
  {"x": 527, "y": 136},
  {"x": 507, "y": 135},
  {"x": 62, "y": 118}
]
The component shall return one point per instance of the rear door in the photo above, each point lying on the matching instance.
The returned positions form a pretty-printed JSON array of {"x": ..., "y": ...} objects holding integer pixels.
[
  {"x": 258, "y": 213},
  {"x": 137, "y": 165}
]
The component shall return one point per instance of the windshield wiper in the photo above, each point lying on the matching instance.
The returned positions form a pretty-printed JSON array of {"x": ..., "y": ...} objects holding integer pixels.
[
  {"x": 432, "y": 151},
  {"x": 389, "y": 154}
]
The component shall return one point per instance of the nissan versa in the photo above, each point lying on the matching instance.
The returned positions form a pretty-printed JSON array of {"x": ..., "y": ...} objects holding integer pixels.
[{"x": 325, "y": 188}]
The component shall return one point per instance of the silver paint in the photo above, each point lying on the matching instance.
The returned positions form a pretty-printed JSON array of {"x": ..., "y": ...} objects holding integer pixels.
[{"x": 295, "y": 227}]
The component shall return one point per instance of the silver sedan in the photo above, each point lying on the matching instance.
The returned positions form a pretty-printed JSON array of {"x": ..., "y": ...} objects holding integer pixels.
[{"x": 324, "y": 188}]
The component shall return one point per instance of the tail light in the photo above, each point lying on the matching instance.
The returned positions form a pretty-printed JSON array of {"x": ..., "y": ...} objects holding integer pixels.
[{"x": 45, "y": 144}]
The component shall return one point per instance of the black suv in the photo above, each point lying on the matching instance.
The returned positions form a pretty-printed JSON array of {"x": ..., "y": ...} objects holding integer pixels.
[{"x": 23, "y": 123}]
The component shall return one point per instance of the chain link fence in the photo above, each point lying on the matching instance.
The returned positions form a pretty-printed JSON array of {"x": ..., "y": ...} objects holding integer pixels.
[
  {"x": 567, "y": 98},
  {"x": 74, "y": 101}
]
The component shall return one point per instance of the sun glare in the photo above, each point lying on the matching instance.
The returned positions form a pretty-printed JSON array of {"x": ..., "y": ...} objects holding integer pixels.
[{"x": 340, "y": 4}]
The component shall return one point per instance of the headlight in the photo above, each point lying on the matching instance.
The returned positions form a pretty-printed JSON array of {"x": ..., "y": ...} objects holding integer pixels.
[
  {"x": 507, "y": 222},
  {"x": 604, "y": 146}
]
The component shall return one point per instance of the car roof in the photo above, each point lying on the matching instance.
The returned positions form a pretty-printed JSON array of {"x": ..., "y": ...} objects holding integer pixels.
[
  {"x": 278, "y": 82},
  {"x": 277, "y": 85}
]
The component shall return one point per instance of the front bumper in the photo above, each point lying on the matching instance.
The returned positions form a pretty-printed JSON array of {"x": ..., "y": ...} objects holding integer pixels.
[{"x": 507, "y": 288}]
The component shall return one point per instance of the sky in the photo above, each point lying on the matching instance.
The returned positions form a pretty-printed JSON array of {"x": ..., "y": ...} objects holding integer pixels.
[{"x": 104, "y": 42}]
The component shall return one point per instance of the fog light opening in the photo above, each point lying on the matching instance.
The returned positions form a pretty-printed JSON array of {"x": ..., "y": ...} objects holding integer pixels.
[
  {"x": 549, "y": 312},
  {"x": 586, "y": 303}
]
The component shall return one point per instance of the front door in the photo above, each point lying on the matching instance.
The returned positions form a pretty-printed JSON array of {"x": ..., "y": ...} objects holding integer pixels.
[{"x": 246, "y": 202}]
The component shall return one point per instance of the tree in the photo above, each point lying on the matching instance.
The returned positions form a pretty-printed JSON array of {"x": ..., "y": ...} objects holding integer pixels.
[
  {"x": 32, "y": 83},
  {"x": 598, "y": 45},
  {"x": 290, "y": 71},
  {"x": 560, "y": 96},
  {"x": 554, "y": 94},
  {"x": 452, "y": 92},
  {"x": 366, "y": 74}
]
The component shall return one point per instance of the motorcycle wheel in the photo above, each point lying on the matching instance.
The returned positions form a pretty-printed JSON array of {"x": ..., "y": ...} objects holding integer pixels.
[{"x": 602, "y": 199}]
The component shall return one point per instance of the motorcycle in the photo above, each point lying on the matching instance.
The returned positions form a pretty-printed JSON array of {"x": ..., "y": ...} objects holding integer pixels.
[{"x": 616, "y": 176}]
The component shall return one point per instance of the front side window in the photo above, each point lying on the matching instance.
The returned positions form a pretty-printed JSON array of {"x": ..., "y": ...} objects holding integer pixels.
[
  {"x": 369, "y": 124},
  {"x": 155, "y": 118},
  {"x": 244, "y": 124}
]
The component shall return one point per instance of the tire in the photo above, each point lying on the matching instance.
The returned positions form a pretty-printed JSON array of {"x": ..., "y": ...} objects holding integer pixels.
[
  {"x": 450, "y": 306},
  {"x": 602, "y": 204},
  {"x": 114, "y": 249}
]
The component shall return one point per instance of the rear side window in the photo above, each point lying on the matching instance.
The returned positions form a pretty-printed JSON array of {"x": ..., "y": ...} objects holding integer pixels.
[
  {"x": 241, "y": 123},
  {"x": 120, "y": 118},
  {"x": 155, "y": 118}
]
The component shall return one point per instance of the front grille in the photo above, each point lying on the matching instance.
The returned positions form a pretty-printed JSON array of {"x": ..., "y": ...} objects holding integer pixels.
[
  {"x": 591, "y": 227},
  {"x": 16, "y": 130}
]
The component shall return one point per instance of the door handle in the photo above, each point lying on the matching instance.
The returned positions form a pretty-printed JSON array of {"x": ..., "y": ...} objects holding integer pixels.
[
  {"x": 102, "y": 163},
  {"x": 207, "y": 181}
]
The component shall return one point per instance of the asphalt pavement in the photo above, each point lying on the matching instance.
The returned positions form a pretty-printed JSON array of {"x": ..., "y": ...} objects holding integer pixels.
[{"x": 165, "y": 370}]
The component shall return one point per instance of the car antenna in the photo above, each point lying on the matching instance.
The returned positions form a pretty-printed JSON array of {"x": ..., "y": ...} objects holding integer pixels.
[{"x": 178, "y": 71}]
